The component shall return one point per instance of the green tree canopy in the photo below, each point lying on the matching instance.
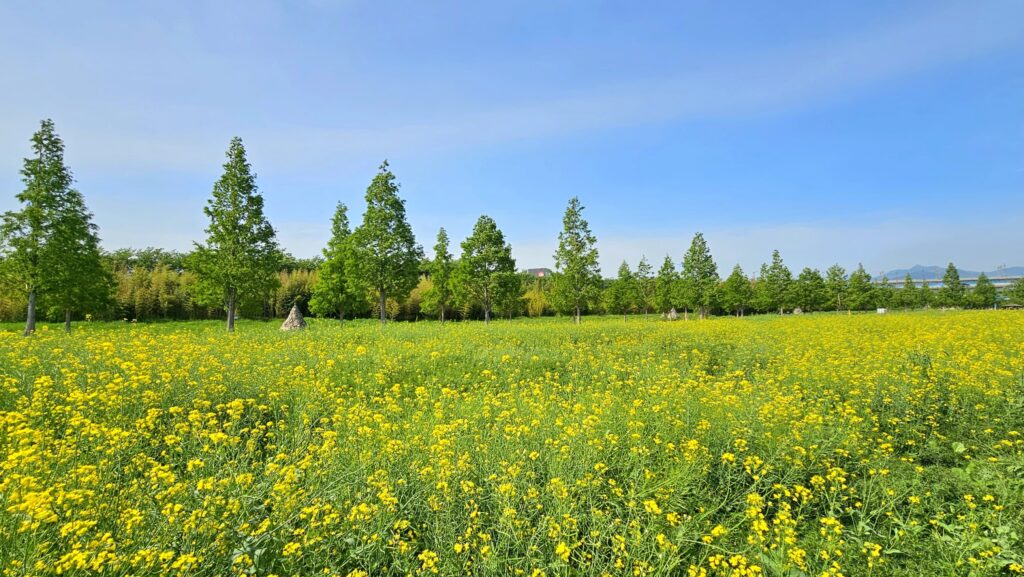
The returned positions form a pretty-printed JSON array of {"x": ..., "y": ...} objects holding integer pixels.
[
  {"x": 240, "y": 258},
  {"x": 953, "y": 291},
  {"x": 737, "y": 292},
  {"x": 385, "y": 255},
  {"x": 665, "y": 285},
  {"x": 438, "y": 300},
  {"x": 577, "y": 281},
  {"x": 809, "y": 290},
  {"x": 645, "y": 285},
  {"x": 1016, "y": 292},
  {"x": 485, "y": 258},
  {"x": 860, "y": 291},
  {"x": 836, "y": 285},
  {"x": 775, "y": 285},
  {"x": 622, "y": 294},
  {"x": 983, "y": 295},
  {"x": 699, "y": 276},
  {"x": 335, "y": 292},
  {"x": 50, "y": 248},
  {"x": 907, "y": 296}
]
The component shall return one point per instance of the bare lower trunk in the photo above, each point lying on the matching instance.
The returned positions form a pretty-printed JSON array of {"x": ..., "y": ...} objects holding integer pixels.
[
  {"x": 487, "y": 306},
  {"x": 577, "y": 319},
  {"x": 231, "y": 311},
  {"x": 341, "y": 316},
  {"x": 383, "y": 307},
  {"x": 67, "y": 320},
  {"x": 686, "y": 314},
  {"x": 30, "y": 317},
  {"x": 442, "y": 314},
  {"x": 623, "y": 317}
]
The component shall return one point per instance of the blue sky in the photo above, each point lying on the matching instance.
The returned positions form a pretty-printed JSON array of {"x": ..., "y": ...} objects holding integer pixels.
[{"x": 888, "y": 133}]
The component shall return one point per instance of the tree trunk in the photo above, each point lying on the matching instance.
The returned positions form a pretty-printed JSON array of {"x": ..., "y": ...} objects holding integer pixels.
[
  {"x": 442, "y": 314},
  {"x": 231, "y": 311},
  {"x": 623, "y": 317},
  {"x": 30, "y": 317},
  {"x": 487, "y": 306},
  {"x": 341, "y": 316},
  {"x": 67, "y": 320},
  {"x": 383, "y": 307},
  {"x": 577, "y": 318},
  {"x": 686, "y": 313}
]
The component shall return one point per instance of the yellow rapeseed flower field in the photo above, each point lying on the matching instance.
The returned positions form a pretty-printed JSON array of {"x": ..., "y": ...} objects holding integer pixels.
[{"x": 817, "y": 445}]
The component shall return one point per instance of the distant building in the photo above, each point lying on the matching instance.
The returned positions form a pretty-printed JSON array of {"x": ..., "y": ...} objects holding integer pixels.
[{"x": 539, "y": 272}]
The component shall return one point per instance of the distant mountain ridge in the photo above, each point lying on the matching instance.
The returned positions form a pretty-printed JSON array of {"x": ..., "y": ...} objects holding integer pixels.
[{"x": 920, "y": 272}]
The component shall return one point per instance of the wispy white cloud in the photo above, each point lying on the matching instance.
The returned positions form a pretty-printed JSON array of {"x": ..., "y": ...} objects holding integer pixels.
[{"x": 768, "y": 83}]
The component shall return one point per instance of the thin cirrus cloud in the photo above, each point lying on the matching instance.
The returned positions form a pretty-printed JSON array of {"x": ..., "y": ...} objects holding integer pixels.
[{"x": 768, "y": 83}]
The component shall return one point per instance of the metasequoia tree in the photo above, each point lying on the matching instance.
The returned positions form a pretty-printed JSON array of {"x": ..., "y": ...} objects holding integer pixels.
[
  {"x": 385, "y": 255},
  {"x": 486, "y": 267},
  {"x": 240, "y": 258},
  {"x": 577, "y": 281},
  {"x": 50, "y": 247}
]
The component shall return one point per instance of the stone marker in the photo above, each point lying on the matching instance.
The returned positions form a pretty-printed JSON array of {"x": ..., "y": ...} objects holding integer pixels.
[
  {"x": 672, "y": 314},
  {"x": 294, "y": 321}
]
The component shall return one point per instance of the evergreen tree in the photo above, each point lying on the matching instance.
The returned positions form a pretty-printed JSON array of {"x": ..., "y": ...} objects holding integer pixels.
[
  {"x": 439, "y": 298},
  {"x": 509, "y": 298},
  {"x": 737, "y": 292},
  {"x": 777, "y": 281},
  {"x": 334, "y": 293},
  {"x": 762, "y": 299},
  {"x": 385, "y": 255},
  {"x": 1015, "y": 293},
  {"x": 952, "y": 292},
  {"x": 240, "y": 259},
  {"x": 49, "y": 248},
  {"x": 577, "y": 281},
  {"x": 78, "y": 280},
  {"x": 836, "y": 286},
  {"x": 665, "y": 289},
  {"x": 622, "y": 294},
  {"x": 983, "y": 296},
  {"x": 645, "y": 285},
  {"x": 699, "y": 276},
  {"x": 907, "y": 296},
  {"x": 926, "y": 297},
  {"x": 809, "y": 292},
  {"x": 860, "y": 292},
  {"x": 884, "y": 293},
  {"x": 486, "y": 257}
]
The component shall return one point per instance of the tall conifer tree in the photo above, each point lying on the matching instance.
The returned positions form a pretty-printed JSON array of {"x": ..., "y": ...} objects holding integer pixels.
[
  {"x": 622, "y": 294},
  {"x": 700, "y": 276},
  {"x": 666, "y": 285},
  {"x": 485, "y": 265},
  {"x": 240, "y": 258},
  {"x": 737, "y": 292},
  {"x": 439, "y": 298},
  {"x": 386, "y": 256},
  {"x": 577, "y": 281},
  {"x": 645, "y": 285},
  {"x": 953, "y": 291},
  {"x": 50, "y": 248},
  {"x": 334, "y": 292}
]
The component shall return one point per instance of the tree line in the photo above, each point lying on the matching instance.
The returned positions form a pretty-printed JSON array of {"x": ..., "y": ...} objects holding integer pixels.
[{"x": 51, "y": 264}]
